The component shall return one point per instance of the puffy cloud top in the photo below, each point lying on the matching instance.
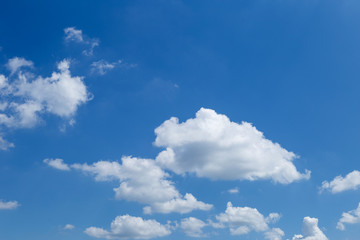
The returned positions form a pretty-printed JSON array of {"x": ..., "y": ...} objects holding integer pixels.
[
  {"x": 142, "y": 180},
  {"x": 242, "y": 220},
  {"x": 129, "y": 227},
  {"x": 340, "y": 184},
  {"x": 310, "y": 230},
  {"x": 212, "y": 146}
]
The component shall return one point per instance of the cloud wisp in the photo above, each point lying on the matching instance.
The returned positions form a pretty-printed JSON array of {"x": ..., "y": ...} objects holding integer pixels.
[
  {"x": 10, "y": 205},
  {"x": 76, "y": 35}
]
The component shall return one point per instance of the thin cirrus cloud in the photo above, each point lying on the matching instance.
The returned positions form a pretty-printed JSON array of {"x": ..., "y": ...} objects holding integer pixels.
[
  {"x": 76, "y": 35},
  {"x": 212, "y": 146},
  {"x": 351, "y": 217},
  {"x": 102, "y": 66},
  {"x": 10, "y": 205},
  {"x": 339, "y": 184},
  {"x": 141, "y": 180},
  {"x": 243, "y": 220},
  {"x": 129, "y": 227},
  {"x": 310, "y": 230}
]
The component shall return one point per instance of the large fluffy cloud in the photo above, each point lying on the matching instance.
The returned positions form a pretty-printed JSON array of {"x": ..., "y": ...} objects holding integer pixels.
[
  {"x": 129, "y": 227},
  {"x": 310, "y": 230},
  {"x": 141, "y": 180},
  {"x": 8, "y": 205},
  {"x": 340, "y": 184},
  {"x": 25, "y": 96},
  {"x": 242, "y": 220},
  {"x": 351, "y": 217},
  {"x": 212, "y": 146}
]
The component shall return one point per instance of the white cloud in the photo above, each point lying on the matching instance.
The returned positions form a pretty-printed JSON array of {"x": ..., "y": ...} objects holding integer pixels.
[
  {"x": 28, "y": 96},
  {"x": 193, "y": 227},
  {"x": 310, "y": 230},
  {"x": 129, "y": 227},
  {"x": 273, "y": 218},
  {"x": 242, "y": 220},
  {"x": 101, "y": 67},
  {"x": 351, "y": 217},
  {"x": 141, "y": 180},
  {"x": 212, "y": 146},
  {"x": 5, "y": 145},
  {"x": 69, "y": 227},
  {"x": 182, "y": 205},
  {"x": 57, "y": 163},
  {"x": 274, "y": 234},
  {"x": 73, "y": 34},
  {"x": 76, "y": 35},
  {"x": 340, "y": 184},
  {"x": 233, "y": 190},
  {"x": 8, "y": 205},
  {"x": 14, "y": 64}
]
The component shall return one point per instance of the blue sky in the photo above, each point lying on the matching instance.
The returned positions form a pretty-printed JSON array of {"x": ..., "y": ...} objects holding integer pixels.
[{"x": 179, "y": 120}]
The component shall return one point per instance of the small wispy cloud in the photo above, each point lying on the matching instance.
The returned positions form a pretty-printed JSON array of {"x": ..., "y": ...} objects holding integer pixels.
[
  {"x": 69, "y": 227},
  {"x": 76, "y": 35},
  {"x": 102, "y": 66},
  {"x": 57, "y": 163},
  {"x": 233, "y": 190},
  {"x": 8, "y": 205}
]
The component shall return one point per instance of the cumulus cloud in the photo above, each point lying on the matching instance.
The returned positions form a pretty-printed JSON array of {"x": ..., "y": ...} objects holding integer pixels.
[
  {"x": 212, "y": 146},
  {"x": 182, "y": 205},
  {"x": 129, "y": 227},
  {"x": 193, "y": 227},
  {"x": 8, "y": 205},
  {"x": 143, "y": 181},
  {"x": 274, "y": 234},
  {"x": 57, "y": 163},
  {"x": 351, "y": 217},
  {"x": 76, "y": 35},
  {"x": 16, "y": 63},
  {"x": 69, "y": 227},
  {"x": 26, "y": 97},
  {"x": 340, "y": 184},
  {"x": 310, "y": 230},
  {"x": 242, "y": 220}
]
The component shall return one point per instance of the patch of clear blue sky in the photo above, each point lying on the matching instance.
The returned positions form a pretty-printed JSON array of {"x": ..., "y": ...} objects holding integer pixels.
[{"x": 289, "y": 67}]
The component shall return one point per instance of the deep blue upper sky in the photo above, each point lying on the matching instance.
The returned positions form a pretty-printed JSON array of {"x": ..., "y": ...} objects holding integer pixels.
[{"x": 291, "y": 68}]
